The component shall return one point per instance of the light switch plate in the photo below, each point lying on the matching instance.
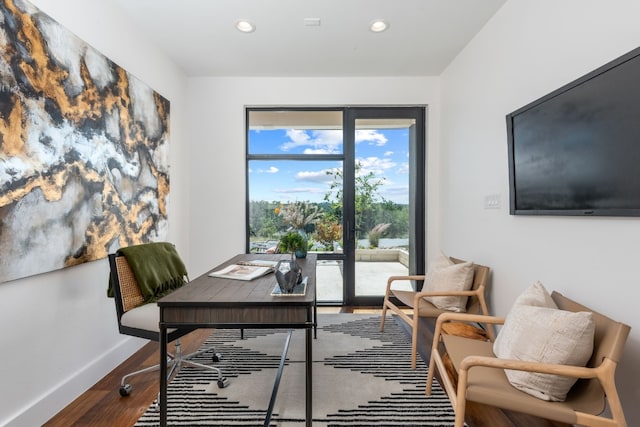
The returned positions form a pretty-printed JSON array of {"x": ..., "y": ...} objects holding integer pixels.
[{"x": 492, "y": 201}]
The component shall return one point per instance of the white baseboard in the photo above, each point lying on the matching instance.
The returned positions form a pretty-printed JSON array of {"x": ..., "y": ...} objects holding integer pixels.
[{"x": 57, "y": 398}]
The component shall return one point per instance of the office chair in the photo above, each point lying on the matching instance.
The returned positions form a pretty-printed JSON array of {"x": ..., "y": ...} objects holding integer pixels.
[{"x": 140, "y": 319}]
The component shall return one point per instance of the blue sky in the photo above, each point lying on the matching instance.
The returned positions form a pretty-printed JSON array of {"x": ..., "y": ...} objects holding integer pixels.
[{"x": 385, "y": 152}]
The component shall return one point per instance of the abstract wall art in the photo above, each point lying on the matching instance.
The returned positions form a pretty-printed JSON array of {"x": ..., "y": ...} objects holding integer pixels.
[{"x": 84, "y": 164}]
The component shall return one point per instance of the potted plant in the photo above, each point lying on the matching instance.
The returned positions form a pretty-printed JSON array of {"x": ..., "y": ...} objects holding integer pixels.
[
  {"x": 293, "y": 242},
  {"x": 288, "y": 272}
]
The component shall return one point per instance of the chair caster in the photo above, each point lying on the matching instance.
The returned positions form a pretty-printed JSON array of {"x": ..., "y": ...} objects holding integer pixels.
[
  {"x": 223, "y": 382},
  {"x": 216, "y": 357},
  {"x": 125, "y": 390}
]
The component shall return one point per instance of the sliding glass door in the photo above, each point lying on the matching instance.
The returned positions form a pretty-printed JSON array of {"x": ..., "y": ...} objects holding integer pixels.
[
  {"x": 351, "y": 181},
  {"x": 385, "y": 184}
]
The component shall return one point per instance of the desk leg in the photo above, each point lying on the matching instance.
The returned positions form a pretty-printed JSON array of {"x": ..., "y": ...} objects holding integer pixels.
[
  {"x": 315, "y": 321},
  {"x": 309, "y": 379},
  {"x": 163, "y": 376},
  {"x": 276, "y": 384}
]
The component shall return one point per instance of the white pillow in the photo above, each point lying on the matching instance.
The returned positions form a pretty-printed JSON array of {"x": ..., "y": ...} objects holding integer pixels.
[
  {"x": 536, "y": 330},
  {"x": 535, "y": 295},
  {"x": 445, "y": 275}
]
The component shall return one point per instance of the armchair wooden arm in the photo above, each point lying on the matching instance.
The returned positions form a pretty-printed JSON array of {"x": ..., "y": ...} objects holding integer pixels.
[
  {"x": 392, "y": 279},
  {"x": 435, "y": 358},
  {"x": 601, "y": 374},
  {"x": 481, "y": 377},
  {"x": 521, "y": 365},
  {"x": 412, "y": 305}
]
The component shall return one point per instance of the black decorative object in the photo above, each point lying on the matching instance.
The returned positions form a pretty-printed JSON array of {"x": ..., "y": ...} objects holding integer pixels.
[{"x": 288, "y": 274}]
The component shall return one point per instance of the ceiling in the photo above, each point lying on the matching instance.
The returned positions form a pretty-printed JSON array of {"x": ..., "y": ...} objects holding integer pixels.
[{"x": 200, "y": 35}]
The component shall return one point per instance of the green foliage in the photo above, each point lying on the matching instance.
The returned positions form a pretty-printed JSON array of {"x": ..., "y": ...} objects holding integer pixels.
[
  {"x": 323, "y": 221},
  {"x": 366, "y": 198},
  {"x": 299, "y": 215},
  {"x": 328, "y": 231},
  {"x": 265, "y": 224},
  {"x": 263, "y": 220},
  {"x": 291, "y": 242}
]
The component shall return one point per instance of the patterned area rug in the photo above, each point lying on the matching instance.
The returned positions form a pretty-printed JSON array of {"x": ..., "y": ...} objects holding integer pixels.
[{"x": 361, "y": 377}]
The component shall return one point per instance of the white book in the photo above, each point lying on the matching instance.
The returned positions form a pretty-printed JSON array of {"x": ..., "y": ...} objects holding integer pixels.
[
  {"x": 260, "y": 263},
  {"x": 241, "y": 272}
]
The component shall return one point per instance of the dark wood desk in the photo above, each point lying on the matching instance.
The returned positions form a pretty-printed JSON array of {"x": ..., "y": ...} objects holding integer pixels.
[{"x": 208, "y": 302}]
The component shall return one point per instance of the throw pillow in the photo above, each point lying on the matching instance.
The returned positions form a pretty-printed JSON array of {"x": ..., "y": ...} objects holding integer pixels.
[
  {"x": 535, "y": 295},
  {"x": 536, "y": 330},
  {"x": 445, "y": 275}
]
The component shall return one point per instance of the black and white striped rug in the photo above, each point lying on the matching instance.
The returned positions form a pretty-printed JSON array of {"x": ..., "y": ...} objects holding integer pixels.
[{"x": 361, "y": 377}]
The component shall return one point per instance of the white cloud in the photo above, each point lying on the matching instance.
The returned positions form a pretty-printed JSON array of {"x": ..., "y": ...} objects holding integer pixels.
[
  {"x": 398, "y": 194},
  {"x": 372, "y": 136},
  {"x": 289, "y": 193},
  {"x": 297, "y": 138},
  {"x": 376, "y": 165},
  {"x": 271, "y": 170},
  {"x": 403, "y": 169},
  {"x": 318, "y": 151},
  {"x": 319, "y": 141},
  {"x": 314, "y": 176}
]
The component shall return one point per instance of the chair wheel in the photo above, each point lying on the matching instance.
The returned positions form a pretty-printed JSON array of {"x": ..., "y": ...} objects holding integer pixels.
[
  {"x": 216, "y": 357},
  {"x": 223, "y": 382},
  {"x": 125, "y": 390}
]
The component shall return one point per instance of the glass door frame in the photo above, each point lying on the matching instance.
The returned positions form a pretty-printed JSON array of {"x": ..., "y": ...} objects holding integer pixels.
[
  {"x": 417, "y": 196},
  {"x": 417, "y": 174}
]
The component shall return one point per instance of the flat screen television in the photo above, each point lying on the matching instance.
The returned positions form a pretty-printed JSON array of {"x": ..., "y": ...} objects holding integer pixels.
[{"x": 576, "y": 151}]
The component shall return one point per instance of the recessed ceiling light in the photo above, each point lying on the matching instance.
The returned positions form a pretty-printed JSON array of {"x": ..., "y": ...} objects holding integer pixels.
[
  {"x": 378, "y": 25},
  {"x": 245, "y": 26}
]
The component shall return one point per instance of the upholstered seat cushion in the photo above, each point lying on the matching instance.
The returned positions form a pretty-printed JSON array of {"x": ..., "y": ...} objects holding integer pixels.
[
  {"x": 146, "y": 316},
  {"x": 424, "y": 309},
  {"x": 488, "y": 385}
]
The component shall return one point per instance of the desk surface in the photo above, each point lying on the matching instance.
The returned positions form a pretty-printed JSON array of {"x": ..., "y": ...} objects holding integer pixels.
[
  {"x": 213, "y": 302},
  {"x": 238, "y": 302}
]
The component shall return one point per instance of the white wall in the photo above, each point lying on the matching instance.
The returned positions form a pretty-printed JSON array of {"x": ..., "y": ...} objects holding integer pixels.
[
  {"x": 59, "y": 329},
  {"x": 60, "y": 334},
  {"x": 529, "y": 49},
  {"x": 216, "y": 129}
]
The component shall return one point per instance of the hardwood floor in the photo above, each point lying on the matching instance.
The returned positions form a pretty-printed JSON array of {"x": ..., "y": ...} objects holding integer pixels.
[{"x": 102, "y": 404}]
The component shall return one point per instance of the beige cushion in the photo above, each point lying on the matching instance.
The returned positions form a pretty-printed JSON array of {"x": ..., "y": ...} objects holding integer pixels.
[
  {"x": 535, "y": 295},
  {"x": 535, "y": 330},
  {"x": 445, "y": 275},
  {"x": 146, "y": 316}
]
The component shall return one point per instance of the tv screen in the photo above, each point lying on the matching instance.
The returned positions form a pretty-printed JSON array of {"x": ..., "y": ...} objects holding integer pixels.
[{"x": 576, "y": 151}]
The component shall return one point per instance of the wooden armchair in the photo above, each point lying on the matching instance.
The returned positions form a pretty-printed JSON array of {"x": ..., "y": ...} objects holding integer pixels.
[
  {"x": 412, "y": 305},
  {"x": 482, "y": 378}
]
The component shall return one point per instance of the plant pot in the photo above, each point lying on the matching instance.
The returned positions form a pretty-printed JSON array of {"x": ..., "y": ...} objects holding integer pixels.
[{"x": 288, "y": 275}]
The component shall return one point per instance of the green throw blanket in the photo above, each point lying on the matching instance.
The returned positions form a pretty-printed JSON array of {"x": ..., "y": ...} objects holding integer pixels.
[{"x": 157, "y": 267}]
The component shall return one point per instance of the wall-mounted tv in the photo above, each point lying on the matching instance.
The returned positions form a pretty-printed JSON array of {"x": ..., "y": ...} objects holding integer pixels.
[{"x": 576, "y": 151}]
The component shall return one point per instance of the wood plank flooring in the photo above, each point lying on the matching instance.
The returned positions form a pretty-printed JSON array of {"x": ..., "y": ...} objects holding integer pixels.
[{"x": 102, "y": 404}]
